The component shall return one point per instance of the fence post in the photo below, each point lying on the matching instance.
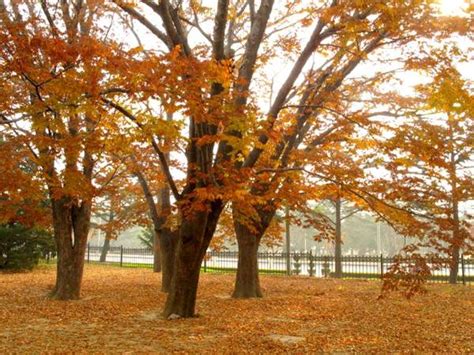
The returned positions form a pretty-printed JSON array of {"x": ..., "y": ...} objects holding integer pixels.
[
  {"x": 381, "y": 266},
  {"x": 88, "y": 252},
  {"x": 463, "y": 270},
  {"x": 121, "y": 255}
]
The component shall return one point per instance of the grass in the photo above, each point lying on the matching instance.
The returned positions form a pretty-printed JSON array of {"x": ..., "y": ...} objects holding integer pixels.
[{"x": 120, "y": 312}]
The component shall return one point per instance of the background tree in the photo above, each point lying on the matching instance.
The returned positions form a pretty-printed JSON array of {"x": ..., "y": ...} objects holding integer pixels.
[
  {"x": 329, "y": 88},
  {"x": 430, "y": 163}
]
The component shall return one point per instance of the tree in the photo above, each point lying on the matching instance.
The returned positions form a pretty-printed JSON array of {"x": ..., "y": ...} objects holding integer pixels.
[
  {"x": 22, "y": 247},
  {"x": 23, "y": 199},
  {"x": 199, "y": 203},
  {"x": 328, "y": 89},
  {"x": 55, "y": 68},
  {"x": 118, "y": 209},
  {"x": 79, "y": 92},
  {"x": 430, "y": 163},
  {"x": 164, "y": 237},
  {"x": 143, "y": 165},
  {"x": 230, "y": 142}
]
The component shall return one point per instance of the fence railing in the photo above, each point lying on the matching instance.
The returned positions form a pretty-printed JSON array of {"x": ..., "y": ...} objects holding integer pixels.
[{"x": 300, "y": 263}]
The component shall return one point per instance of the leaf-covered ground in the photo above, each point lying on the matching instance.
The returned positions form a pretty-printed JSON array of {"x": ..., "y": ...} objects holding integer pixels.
[{"x": 120, "y": 312}]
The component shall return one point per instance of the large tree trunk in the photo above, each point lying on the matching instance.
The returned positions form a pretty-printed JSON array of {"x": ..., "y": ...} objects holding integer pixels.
[
  {"x": 70, "y": 269},
  {"x": 71, "y": 227},
  {"x": 181, "y": 299},
  {"x": 195, "y": 234},
  {"x": 247, "y": 283}
]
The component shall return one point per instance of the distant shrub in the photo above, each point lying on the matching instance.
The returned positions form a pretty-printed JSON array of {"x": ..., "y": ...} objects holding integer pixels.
[{"x": 21, "y": 248}]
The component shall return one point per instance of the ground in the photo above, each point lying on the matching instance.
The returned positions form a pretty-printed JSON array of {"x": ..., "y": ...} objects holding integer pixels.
[{"x": 120, "y": 312}]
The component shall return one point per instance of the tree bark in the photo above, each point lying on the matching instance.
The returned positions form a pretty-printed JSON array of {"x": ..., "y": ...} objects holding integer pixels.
[
  {"x": 181, "y": 299},
  {"x": 168, "y": 242},
  {"x": 70, "y": 269},
  {"x": 247, "y": 283},
  {"x": 71, "y": 226},
  {"x": 456, "y": 242},
  {"x": 454, "y": 266},
  {"x": 156, "y": 250},
  {"x": 195, "y": 234},
  {"x": 457, "y": 239}
]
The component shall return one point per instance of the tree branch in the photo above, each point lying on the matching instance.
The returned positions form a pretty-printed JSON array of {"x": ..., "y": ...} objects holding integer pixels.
[
  {"x": 162, "y": 156},
  {"x": 144, "y": 21},
  {"x": 219, "y": 29}
]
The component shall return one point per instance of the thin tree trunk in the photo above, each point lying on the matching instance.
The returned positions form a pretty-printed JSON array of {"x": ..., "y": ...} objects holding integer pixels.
[
  {"x": 454, "y": 266},
  {"x": 165, "y": 250},
  {"x": 457, "y": 238},
  {"x": 156, "y": 251},
  {"x": 108, "y": 235},
  {"x": 456, "y": 243},
  {"x": 105, "y": 249},
  {"x": 247, "y": 283},
  {"x": 338, "y": 241}
]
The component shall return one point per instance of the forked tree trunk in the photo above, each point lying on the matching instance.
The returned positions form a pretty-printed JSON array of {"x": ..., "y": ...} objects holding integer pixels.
[
  {"x": 247, "y": 283},
  {"x": 71, "y": 227},
  {"x": 195, "y": 234}
]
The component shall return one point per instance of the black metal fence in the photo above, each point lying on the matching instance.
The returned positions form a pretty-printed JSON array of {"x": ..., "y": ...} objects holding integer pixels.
[{"x": 280, "y": 263}]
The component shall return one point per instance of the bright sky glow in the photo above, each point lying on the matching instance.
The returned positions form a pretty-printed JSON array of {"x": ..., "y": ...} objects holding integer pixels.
[{"x": 453, "y": 7}]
